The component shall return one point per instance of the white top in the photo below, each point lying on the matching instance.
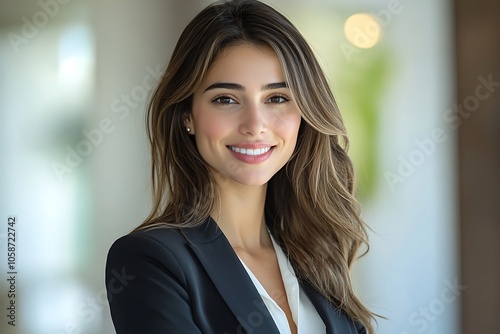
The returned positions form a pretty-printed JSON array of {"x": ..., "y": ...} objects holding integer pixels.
[{"x": 304, "y": 313}]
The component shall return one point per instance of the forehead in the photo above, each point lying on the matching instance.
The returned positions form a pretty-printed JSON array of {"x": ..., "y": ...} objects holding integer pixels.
[{"x": 246, "y": 63}]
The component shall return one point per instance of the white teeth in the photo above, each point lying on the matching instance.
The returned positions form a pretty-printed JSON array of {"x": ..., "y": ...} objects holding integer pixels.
[{"x": 249, "y": 151}]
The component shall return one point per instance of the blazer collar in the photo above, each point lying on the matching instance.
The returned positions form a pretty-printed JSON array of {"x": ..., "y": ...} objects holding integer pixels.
[{"x": 216, "y": 255}]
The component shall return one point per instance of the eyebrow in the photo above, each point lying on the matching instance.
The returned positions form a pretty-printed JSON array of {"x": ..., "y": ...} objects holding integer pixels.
[{"x": 235, "y": 86}]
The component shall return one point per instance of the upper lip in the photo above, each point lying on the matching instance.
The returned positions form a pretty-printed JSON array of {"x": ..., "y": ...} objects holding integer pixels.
[{"x": 248, "y": 145}]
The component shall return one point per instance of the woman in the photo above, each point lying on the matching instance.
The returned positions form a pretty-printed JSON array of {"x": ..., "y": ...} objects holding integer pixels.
[{"x": 254, "y": 226}]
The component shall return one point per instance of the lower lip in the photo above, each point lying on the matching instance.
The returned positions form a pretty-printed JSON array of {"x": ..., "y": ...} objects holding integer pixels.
[{"x": 252, "y": 159}]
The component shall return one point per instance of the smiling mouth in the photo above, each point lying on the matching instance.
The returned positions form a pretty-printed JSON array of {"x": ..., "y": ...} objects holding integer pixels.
[{"x": 249, "y": 151}]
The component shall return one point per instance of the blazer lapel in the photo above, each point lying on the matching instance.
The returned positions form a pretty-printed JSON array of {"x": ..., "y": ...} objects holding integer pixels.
[
  {"x": 216, "y": 255},
  {"x": 335, "y": 320}
]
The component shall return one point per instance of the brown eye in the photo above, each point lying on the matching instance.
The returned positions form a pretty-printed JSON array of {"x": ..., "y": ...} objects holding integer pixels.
[
  {"x": 224, "y": 100},
  {"x": 278, "y": 99}
]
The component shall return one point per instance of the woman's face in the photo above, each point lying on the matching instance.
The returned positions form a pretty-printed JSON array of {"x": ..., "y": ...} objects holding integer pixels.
[{"x": 244, "y": 119}]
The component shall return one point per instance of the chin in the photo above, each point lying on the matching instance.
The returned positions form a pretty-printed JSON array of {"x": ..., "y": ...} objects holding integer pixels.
[{"x": 250, "y": 181}]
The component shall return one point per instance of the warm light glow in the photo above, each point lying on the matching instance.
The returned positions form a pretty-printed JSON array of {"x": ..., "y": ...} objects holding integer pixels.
[{"x": 362, "y": 30}]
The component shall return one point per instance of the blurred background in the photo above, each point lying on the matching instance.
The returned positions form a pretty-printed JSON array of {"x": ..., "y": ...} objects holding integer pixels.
[{"x": 418, "y": 84}]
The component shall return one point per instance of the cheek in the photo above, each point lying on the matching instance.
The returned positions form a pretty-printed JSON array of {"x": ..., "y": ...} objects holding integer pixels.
[
  {"x": 210, "y": 127},
  {"x": 288, "y": 126}
]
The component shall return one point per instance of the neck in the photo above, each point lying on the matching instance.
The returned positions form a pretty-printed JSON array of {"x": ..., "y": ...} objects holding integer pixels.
[{"x": 239, "y": 212}]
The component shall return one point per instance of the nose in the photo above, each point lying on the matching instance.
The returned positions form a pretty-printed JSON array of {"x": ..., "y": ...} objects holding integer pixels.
[{"x": 254, "y": 120}]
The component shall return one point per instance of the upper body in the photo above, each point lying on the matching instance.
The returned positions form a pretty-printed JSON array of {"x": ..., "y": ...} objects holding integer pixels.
[
  {"x": 159, "y": 282},
  {"x": 246, "y": 142}
]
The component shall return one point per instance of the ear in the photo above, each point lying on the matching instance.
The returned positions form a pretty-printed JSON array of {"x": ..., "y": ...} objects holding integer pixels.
[{"x": 189, "y": 124}]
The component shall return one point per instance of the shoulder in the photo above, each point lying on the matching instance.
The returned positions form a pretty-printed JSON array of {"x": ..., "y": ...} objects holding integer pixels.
[
  {"x": 173, "y": 239},
  {"x": 158, "y": 243},
  {"x": 160, "y": 248},
  {"x": 163, "y": 247},
  {"x": 156, "y": 237}
]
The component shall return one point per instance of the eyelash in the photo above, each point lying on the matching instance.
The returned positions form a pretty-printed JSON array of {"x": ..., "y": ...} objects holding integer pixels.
[
  {"x": 284, "y": 98},
  {"x": 217, "y": 99}
]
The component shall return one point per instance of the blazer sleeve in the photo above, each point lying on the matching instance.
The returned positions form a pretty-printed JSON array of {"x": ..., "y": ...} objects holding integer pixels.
[{"x": 146, "y": 288}]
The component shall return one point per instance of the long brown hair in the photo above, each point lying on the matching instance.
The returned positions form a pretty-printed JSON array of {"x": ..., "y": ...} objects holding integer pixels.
[{"x": 316, "y": 218}]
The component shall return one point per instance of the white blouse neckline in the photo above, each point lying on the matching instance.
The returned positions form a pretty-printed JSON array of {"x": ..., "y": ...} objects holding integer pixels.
[{"x": 304, "y": 313}]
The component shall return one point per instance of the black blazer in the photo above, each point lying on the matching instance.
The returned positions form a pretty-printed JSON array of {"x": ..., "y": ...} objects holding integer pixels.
[{"x": 159, "y": 282}]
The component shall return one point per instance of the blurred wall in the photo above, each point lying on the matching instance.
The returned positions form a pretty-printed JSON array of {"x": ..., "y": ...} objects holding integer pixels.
[{"x": 75, "y": 77}]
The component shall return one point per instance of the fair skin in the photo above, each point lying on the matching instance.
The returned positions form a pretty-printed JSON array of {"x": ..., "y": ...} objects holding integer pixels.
[{"x": 245, "y": 124}]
